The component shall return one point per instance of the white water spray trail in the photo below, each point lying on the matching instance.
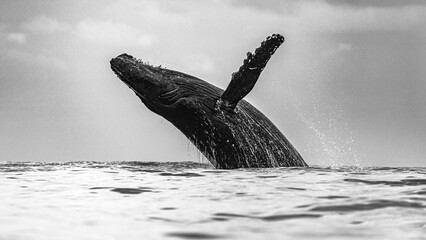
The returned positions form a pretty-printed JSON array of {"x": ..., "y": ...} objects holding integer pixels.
[{"x": 326, "y": 118}]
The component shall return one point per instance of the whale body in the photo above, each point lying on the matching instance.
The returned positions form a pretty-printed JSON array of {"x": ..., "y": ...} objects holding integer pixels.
[{"x": 226, "y": 129}]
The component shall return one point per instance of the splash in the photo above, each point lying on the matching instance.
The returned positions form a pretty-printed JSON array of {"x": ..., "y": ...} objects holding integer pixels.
[{"x": 327, "y": 121}]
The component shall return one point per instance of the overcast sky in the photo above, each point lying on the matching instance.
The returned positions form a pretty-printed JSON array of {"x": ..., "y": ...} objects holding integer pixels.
[{"x": 347, "y": 87}]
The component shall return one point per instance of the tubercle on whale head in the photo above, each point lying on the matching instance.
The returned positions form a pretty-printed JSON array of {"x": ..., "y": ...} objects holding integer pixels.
[{"x": 151, "y": 84}]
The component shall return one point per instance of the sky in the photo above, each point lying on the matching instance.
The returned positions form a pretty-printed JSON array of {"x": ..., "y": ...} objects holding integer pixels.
[{"x": 347, "y": 87}]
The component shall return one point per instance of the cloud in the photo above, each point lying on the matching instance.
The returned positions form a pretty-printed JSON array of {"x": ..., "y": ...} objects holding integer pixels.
[
  {"x": 288, "y": 7},
  {"x": 344, "y": 47},
  {"x": 154, "y": 14},
  {"x": 277, "y": 6},
  {"x": 97, "y": 31},
  {"x": 338, "y": 16},
  {"x": 16, "y": 37},
  {"x": 198, "y": 64},
  {"x": 36, "y": 58},
  {"x": 377, "y": 4},
  {"x": 46, "y": 25},
  {"x": 338, "y": 49},
  {"x": 112, "y": 33},
  {"x": 321, "y": 17}
]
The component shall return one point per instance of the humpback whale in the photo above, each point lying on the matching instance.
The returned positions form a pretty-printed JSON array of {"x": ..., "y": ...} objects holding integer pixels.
[{"x": 225, "y": 128}]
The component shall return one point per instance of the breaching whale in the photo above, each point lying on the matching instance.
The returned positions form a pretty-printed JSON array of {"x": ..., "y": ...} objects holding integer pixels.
[{"x": 228, "y": 130}]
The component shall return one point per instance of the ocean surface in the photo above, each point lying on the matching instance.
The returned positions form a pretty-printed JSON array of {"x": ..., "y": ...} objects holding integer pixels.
[{"x": 186, "y": 200}]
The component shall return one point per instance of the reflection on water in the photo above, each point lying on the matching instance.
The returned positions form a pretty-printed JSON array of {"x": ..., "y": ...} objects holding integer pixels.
[{"x": 140, "y": 200}]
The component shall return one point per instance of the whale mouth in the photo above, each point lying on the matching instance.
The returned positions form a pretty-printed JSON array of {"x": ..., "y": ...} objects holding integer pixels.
[
  {"x": 126, "y": 81},
  {"x": 119, "y": 74}
]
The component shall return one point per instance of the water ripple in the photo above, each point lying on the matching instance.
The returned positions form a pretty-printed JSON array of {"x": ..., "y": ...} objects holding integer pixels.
[
  {"x": 278, "y": 217},
  {"x": 193, "y": 235},
  {"x": 403, "y": 182},
  {"x": 375, "y": 204},
  {"x": 153, "y": 200},
  {"x": 130, "y": 190}
]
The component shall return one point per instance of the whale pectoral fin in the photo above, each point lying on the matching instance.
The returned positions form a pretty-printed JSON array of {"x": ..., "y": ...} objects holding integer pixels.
[{"x": 242, "y": 82}]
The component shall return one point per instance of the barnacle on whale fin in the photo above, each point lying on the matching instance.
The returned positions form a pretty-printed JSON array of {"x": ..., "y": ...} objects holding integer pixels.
[{"x": 243, "y": 81}]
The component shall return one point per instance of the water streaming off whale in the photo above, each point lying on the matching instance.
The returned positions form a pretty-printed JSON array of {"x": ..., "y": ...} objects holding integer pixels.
[{"x": 137, "y": 200}]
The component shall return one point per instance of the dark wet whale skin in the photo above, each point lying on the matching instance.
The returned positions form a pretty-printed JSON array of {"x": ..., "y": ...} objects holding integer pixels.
[{"x": 239, "y": 138}]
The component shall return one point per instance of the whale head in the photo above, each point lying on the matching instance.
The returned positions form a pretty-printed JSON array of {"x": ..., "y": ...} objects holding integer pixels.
[
  {"x": 164, "y": 91},
  {"x": 151, "y": 84}
]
